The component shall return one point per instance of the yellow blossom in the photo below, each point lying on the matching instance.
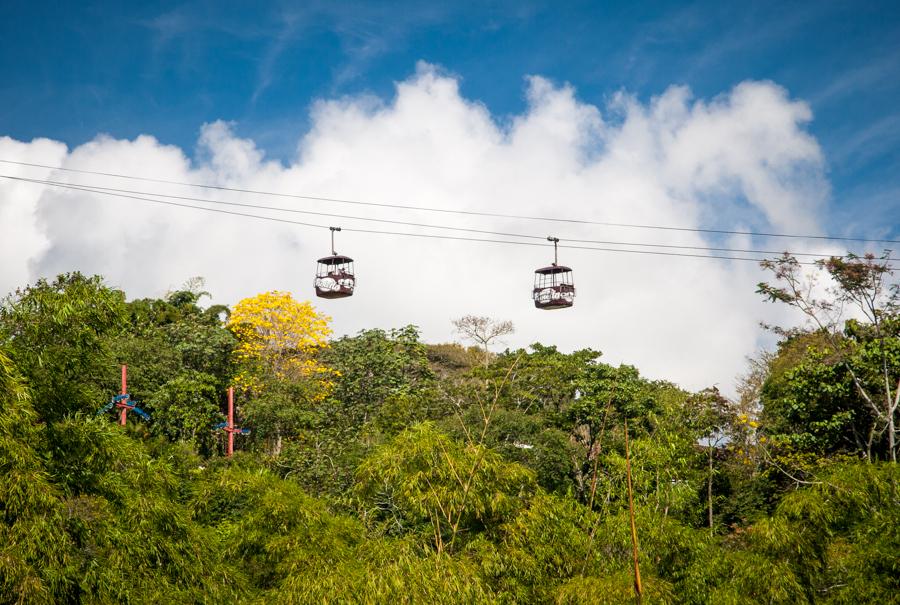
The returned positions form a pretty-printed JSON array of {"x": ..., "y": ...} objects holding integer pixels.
[{"x": 280, "y": 337}]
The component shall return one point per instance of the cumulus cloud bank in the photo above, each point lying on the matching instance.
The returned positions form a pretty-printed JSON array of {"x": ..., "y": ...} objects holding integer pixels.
[{"x": 741, "y": 160}]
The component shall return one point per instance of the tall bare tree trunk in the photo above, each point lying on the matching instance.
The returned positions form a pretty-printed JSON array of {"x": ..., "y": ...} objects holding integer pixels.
[
  {"x": 891, "y": 437},
  {"x": 276, "y": 449}
]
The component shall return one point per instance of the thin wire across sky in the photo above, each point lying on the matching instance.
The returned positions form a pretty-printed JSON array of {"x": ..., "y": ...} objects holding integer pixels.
[{"x": 535, "y": 240}]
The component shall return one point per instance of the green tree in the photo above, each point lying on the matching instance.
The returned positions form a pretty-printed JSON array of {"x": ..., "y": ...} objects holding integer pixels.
[
  {"x": 57, "y": 335},
  {"x": 834, "y": 541},
  {"x": 809, "y": 402},
  {"x": 391, "y": 570},
  {"x": 374, "y": 366},
  {"x": 269, "y": 525},
  {"x": 86, "y": 515},
  {"x": 34, "y": 554},
  {"x": 869, "y": 353},
  {"x": 185, "y": 409},
  {"x": 714, "y": 419},
  {"x": 170, "y": 336},
  {"x": 534, "y": 393},
  {"x": 424, "y": 482},
  {"x": 546, "y": 543},
  {"x": 384, "y": 384}
]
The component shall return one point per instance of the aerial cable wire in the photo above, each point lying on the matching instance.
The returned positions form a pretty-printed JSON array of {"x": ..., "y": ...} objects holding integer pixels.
[
  {"x": 167, "y": 203},
  {"x": 398, "y": 233},
  {"x": 453, "y": 211},
  {"x": 99, "y": 189}
]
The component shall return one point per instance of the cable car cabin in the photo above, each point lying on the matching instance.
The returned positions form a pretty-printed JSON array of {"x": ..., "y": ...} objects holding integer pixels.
[
  {"x": 553, "y": 288},
  {"x": 334, "y": 277},
  {"x": 553, "y": 285}
]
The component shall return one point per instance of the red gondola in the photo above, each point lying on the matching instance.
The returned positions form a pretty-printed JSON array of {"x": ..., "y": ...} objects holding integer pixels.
[
  {"x": 553, "y": 285},
  {"x": 334, "y": 274}
]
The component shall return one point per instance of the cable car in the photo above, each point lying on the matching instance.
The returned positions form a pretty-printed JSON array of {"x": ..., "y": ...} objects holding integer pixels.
[
  {"x": 334, "y": 274},
  {"x": 553, "y": 285}
]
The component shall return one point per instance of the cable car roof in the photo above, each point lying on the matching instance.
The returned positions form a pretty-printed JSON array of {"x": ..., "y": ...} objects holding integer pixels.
[
  {"x": 552, "y": 269},
  {"x": 337, "y": 259}
]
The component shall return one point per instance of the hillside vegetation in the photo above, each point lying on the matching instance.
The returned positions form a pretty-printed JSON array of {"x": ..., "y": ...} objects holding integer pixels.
[{"x": 380, "y": 469}]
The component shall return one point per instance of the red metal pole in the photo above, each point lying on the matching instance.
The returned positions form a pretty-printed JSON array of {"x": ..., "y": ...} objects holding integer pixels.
[
  {"x": 230, "y": 429},
  {"x": 124, "y": 411}
]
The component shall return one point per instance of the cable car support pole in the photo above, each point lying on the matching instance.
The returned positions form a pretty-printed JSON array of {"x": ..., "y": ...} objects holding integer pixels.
[
  {"x": 228, "y": 425},
  {"x": 123, "y": 413},
  {"x": 333, "y": 229},
  {"x": 230, "y": 450},
  {"x": 555, "y": 241}
]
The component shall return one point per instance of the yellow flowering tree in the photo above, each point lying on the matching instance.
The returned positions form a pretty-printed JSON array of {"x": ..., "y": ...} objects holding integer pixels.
[
  {"x": 279, "y": 341},
  {"x": 278, "y": 337}
]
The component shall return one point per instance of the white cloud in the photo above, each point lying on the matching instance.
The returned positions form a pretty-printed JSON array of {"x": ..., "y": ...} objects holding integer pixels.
[{"x": 742, "y": 159}]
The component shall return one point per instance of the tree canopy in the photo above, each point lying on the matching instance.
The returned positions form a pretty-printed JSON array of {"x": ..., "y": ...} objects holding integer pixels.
[{"x": 382, "y": 469}]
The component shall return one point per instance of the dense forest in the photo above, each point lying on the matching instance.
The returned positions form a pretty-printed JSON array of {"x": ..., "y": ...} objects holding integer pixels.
[{"x": 381, "y": 469}]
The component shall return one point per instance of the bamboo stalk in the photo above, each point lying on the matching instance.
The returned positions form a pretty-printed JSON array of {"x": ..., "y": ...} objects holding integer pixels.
[{"x": 638, "y": 590}]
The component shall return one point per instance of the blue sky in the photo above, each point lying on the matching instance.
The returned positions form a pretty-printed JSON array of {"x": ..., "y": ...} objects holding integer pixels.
[
  {"x": 73, "y": 70},
  {"x": 462, "y": 124}
]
